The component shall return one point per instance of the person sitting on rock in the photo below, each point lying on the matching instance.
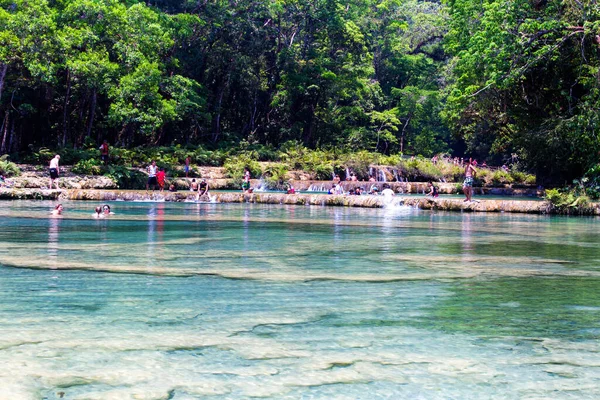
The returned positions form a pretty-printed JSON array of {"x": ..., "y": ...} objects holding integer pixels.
[
  {"x": 433, "y": 190},
  {"x": 203, "y": 188}
]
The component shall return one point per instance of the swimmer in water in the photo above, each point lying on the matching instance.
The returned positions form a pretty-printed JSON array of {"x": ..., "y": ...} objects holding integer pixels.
[
  {"x": 57, "y": 210},
  {"x": 98, "y": 213}
]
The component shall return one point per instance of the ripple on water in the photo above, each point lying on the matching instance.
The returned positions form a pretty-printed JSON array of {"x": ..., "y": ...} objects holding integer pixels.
[{"x": 244, "y": 301}]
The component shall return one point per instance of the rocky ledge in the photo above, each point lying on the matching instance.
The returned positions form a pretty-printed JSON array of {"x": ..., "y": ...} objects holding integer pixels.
[{"x": 426, "y": 203}]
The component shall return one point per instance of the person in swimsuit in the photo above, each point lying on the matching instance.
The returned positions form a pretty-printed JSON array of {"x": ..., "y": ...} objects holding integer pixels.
[
  {"x": 54, "y": 171},
  {"x": 98, "y": 213},
  {"x": 433, "y": 190},
  {"x": 203, "y": 188},
  {"x": 193, "y": 186},
  {"x": 246, "y": 182},
  {"x": 470, "y": 173},
  {"x": 57, "y": 210},
  {"x": 186, "y": 168}
]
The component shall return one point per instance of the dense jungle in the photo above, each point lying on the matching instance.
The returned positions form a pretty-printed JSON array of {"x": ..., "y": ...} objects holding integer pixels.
[{"x": 512, "y": 82}]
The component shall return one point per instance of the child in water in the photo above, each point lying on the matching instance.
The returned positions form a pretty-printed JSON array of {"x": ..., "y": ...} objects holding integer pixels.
[
  {"x": 98, "y": 213},
  {"x": 433, "y": 190}
]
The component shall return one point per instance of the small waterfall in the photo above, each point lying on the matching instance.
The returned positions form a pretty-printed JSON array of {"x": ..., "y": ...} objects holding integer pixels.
[
  {"x": 382, "y": 174},
  {"x": 396, "y": 177},
  {"x": 370, "y": 172},
  {"x": 347, "y": 173}
]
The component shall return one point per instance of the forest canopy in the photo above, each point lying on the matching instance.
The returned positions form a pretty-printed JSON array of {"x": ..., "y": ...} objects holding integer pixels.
[{"x": 503, "y": 80}]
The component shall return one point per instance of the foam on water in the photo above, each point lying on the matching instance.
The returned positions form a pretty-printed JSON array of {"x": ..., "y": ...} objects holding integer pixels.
[{"x": 189, "y": 301}]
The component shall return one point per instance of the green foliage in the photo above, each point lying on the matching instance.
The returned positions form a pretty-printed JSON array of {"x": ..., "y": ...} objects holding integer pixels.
[
  {"x": 566, "y": 201},
  {"x": 8, "y": 168},
  {"x": 511, "y": 78},
  {"x": 501, "y": 177},
  {"x": 90, "y": 166},
  {"x": 126, "y": 178},
  {"x": 523, "y": 81},
  {"x": 275, "y": 176},
  {"x": 420, "y": 170},
  {"x": 234, "y": 167},
  {"x": 359, "y": 162}
]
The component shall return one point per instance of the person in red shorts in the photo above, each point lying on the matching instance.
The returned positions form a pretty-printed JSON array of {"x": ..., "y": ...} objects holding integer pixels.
[{"x": 160, "y": 178}]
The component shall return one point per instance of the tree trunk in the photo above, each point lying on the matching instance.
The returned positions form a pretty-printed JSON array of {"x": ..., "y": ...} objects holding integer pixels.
[
  {"x": 4, "y": 133},
  {"x": 217, "y": 120},
  {"x": 90, "y": 121},
  {"x": 11, "y": 138},
  {"x": 65, "y": 109},
  {"x": 3, "y": 69}
]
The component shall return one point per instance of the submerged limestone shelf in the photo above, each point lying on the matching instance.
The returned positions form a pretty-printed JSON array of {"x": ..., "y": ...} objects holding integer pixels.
[{"x": 445, "y": 204}]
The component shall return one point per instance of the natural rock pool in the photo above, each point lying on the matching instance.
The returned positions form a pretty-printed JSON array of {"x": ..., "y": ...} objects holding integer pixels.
[{"x": 224, "y": 301}]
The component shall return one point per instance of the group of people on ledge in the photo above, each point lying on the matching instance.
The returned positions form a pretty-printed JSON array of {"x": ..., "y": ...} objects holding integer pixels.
[{"x": 157, "y": 178}]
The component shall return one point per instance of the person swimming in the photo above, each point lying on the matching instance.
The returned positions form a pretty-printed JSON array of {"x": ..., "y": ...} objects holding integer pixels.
[
  {"x": 106, "y": 210},
  {"x": 57, "y": 210},
  {"x": 98, "y": 213}
]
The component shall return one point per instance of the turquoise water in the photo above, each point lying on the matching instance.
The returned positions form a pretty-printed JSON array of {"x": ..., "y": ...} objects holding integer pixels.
[{"x": 227, "y": 301}]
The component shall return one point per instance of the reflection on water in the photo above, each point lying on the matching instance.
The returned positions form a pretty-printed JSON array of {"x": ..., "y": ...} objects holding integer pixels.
[{"x": 188, "y": 301}]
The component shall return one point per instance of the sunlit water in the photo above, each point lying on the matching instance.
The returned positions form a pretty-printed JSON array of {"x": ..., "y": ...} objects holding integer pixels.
[{"x": 228, "y": 301}]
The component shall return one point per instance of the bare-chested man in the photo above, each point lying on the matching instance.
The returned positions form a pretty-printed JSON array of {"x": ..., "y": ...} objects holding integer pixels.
[{"x": 470, "y": 173}]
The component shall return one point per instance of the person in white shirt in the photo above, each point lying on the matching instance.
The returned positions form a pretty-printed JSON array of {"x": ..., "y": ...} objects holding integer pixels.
[
  {"x": 54, "y": 171},
  {"x": 152, "y": 170},
  {"x": 388, "y": 195}
]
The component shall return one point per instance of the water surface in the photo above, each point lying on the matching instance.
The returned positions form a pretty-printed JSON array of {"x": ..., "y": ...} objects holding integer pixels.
[{"x": 223, "y": 301}]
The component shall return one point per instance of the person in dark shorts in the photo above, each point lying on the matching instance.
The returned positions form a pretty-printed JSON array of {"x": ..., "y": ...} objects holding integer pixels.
[
  {"x": 152, "y": 171},
  {"x": 203, "y": 188},
  {"x": 54, "y": 171}
]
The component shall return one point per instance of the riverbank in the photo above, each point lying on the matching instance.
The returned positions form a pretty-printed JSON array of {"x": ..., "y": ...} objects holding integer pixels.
[{"x": 367, "y": 201}]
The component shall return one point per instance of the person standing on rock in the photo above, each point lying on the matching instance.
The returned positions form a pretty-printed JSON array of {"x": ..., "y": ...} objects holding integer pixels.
[
  {"x": 54, "y": 171},
  {"x": 470, "y": 173},
  {"x": 104, "y": 152},
  {"x": 186, "y": 168},
  {"x": 152, "y": 170},
  {"x": 246, "y": 181},
  {"x": 160, "y": 178}
]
